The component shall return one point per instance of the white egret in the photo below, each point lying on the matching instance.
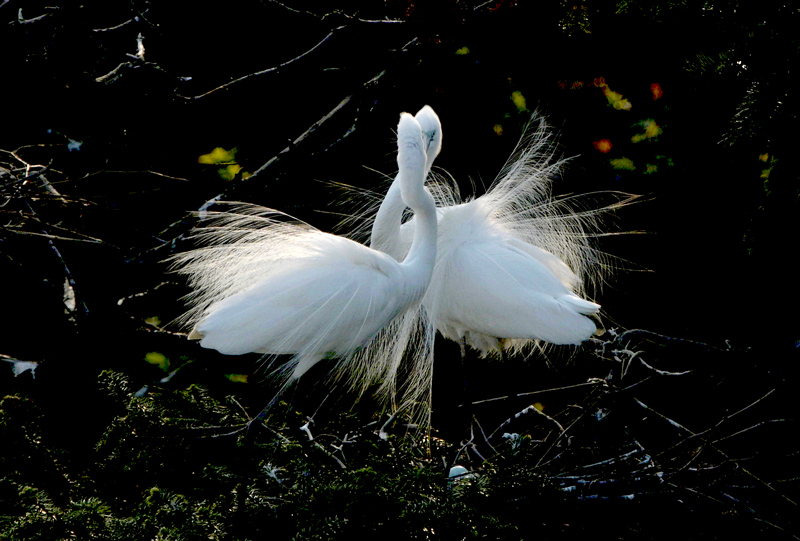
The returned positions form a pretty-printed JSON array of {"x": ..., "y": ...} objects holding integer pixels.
[
  {"x": 510, "y": 264},
  {"x": 268, "y": 286},
  {"x": 497, "y": 276}
]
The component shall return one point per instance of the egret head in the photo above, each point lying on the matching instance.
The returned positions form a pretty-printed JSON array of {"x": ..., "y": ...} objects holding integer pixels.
[{"x": 431, "y": 133}]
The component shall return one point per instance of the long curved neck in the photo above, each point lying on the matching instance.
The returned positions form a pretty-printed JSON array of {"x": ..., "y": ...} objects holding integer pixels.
[
  {"x": 411, "y": 161},
  {"x": 386, "y": 227},
  {"x": 423, "y": 248},
  {"x": 385, "y": 234}
]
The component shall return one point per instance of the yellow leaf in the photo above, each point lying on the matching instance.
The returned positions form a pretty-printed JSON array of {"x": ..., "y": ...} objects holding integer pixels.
[
  {"x": 158, "y": 359},
  {"x": 229, "y": 172},
  {"x": 218, "y": 155},
  {"x": 622, "y": 163},
  {"x": 651, "y": 129},
  {"x": 615, "y": 99},
  {"x": 519, "y": 100}
]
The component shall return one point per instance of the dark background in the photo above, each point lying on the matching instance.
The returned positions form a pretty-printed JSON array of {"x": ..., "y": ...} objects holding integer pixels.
[{"x": 709, "y": 254}]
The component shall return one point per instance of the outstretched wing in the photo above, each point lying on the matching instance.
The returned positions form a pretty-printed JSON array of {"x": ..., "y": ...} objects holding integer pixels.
[{"x": 331, "y": 301}]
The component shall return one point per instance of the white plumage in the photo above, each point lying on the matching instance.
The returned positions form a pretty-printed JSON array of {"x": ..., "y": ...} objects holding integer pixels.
[
  {"x": 266, "y": 285},
  {"x": 503, "y": 260},
  {"x": 498, "y": 273}
]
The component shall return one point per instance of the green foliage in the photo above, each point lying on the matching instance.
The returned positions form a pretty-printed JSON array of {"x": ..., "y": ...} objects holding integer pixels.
[
  {"x": 159, "y": 472},
  {"x": 175, "y": 461}
]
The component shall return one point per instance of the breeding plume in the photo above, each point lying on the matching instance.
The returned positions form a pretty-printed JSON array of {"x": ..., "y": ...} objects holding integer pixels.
[
  {"x": 268, "y": 285},
  {"x": 510, "y": 266},
  {"x": 503, "y": 259}
]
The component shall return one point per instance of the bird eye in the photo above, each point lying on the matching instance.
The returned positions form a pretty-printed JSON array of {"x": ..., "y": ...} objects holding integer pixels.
[{"x": 430, "y": 135}]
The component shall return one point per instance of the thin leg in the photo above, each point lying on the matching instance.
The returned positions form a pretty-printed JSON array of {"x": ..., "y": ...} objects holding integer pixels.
[
  {"x": 263, "y": 413},
  {"x": 465, "y": 398},
  {"x": 466, "y": 403},
  {"x": 513, "y": 399}
]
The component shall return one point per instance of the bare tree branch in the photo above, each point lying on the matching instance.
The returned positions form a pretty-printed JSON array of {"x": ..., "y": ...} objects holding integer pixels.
[
  {"x": 335, "y": 13},
  {"x": 722, "y": 453},
  {"x": 265, "y": 71},
  {"x": 135, "y": 19},
  {"x": 23, "y": 20}
]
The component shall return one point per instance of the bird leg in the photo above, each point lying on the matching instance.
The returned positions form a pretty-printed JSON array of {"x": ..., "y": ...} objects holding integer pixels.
[
  {"x": 466, "y": 394},
  {"x": 257, "y": 420},
  {"x": 513, "y": 398}
]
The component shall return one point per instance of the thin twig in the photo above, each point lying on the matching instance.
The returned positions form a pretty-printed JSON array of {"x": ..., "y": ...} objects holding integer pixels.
[
  {"x": 711, "y": 445},
  {"x": 22, "y": 20},
  {"x": 132, "y": 172},
  {"x": 67, "y": 273},
  {"x": 663, "y": 372},
  {"x": 652, "y": 337},
  {"x": 531, "y": 393},
  {"x": 302, "y": 137},
  {"x": 52, "y": 237},
  {"x": 748, "y": 429},
  {"x": 527, "y": 410},
  {"x": 121, "y": 25},
  {"x": 265, "y": 71},
  {"x": 335, "y": 13}
]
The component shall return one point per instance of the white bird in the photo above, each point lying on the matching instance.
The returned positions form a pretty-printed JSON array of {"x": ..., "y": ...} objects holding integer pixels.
[
  {"x": 268, "y": 286},
  {"x": 510, "y": 268},
  {"x": 498, "y": 280}
]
